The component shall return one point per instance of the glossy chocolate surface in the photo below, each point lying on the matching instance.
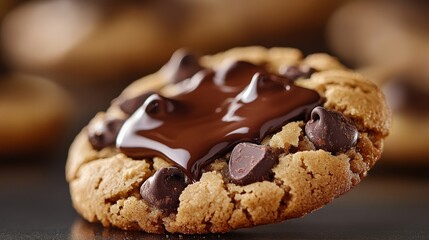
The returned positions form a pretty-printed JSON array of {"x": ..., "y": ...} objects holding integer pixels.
[
  {"x": 239, "y": 102},
  {"x": 163, "y": 189},
  {"x": 251, "y": 163},
  {"x": 331, "y": 130}
]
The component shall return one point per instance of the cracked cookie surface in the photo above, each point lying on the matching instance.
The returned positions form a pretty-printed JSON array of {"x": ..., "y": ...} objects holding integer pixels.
[{"x": 105, "y": 183}]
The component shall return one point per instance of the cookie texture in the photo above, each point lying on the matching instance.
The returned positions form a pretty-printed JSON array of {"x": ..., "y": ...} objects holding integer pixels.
[{"x": 105, "y": 184}]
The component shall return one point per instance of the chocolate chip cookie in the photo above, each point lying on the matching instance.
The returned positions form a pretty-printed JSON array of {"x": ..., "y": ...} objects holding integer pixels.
[{"x": 245, "y": 137}]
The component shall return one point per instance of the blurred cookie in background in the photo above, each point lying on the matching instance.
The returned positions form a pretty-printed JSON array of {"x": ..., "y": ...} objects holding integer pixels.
[
  {"x": 408, "y": 96},
  {"x": 38, "y": 34},
  {"x": 389, "y": 40},
  {"x": 34, "y": 112},
  {"x": 103, "y": 41},
  {"x": 380, "y": 32},
  {"x": 7, "y": 5}
]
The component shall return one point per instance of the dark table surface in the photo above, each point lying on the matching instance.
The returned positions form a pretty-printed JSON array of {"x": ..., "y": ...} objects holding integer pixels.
[{"x": 35, "y": 204}]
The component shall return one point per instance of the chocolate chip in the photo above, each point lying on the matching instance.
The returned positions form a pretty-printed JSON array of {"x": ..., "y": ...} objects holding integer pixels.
[
  {"x": 331, "y": 130},
  {"x": 129, "y": 106},
  {"x": 157, "y": 105},
  {"x": 181, "y": 66},
  {"x": 103, "y": 134},
  {"x": 295, "y": 72},
  {"x": 250, "y": 163},
  {"x": 162, "y": 190}
]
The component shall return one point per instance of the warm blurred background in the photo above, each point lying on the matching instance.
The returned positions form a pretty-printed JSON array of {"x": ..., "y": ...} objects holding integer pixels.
[{"x": 61, "y": 61}]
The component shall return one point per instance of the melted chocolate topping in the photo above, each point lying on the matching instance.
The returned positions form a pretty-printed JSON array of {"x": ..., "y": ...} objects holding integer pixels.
[{"x": 213, "y": 112}]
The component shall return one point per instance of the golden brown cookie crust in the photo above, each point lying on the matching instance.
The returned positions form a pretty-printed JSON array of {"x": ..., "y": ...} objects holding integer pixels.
[{"x": 105, "y": 184}]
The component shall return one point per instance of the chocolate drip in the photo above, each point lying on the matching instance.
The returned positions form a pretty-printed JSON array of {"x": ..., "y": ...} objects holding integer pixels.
[{"x": 238, "y": 103}]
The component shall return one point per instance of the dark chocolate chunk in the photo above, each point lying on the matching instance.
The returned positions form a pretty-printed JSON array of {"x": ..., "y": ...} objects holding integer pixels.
[
  {"x": 129, "y": 106},
  {"x": 162, "y": 190},
  {"x": 103, "y": 134},
  {"x": 331, "y": 130},
  {"x": 250, "y": 163},
  {"x": 295, "y": 72},
  {"x": 181, "y": 66}
]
